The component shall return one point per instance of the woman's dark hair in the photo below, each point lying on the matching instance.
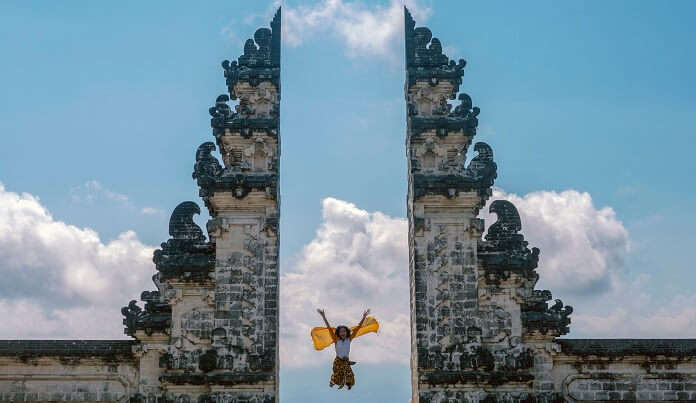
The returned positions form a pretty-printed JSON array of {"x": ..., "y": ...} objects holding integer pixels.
[{"x": 343, "y": 327}]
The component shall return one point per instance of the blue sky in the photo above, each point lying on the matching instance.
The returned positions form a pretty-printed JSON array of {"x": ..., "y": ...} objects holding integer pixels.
[{"x": 104, "y": 104}]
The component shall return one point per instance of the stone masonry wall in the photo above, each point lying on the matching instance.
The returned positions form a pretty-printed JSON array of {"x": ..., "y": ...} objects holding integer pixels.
[{"x": 67, "y": 370}]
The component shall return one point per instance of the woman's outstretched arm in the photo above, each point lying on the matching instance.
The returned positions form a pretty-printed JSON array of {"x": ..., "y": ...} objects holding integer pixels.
[
  {"x": 323, "y": 316},
  {"x": 353, "y": 334}
]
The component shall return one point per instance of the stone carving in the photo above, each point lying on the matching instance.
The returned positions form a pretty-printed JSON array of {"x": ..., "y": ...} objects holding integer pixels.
[
  {"x": 482, "y": 169},
  {"x": 221, "y": 114},
  {"x": 241, "y": 184},
  {"x": 153, "y": 301},
  {"x": 181, "y": 225},
  {"x": 465, "y": 109},
  {"x": 206, "y": 169},
  {"x": 254, "y": 80},
  {"x": 211, "y": 177},
  {"x": 463, "y": 119},
  {"x": 504, "y": 249},
  {"x": 538, "y": 316},
  {"x": 186, "y": 255},
  {"x": 221, "y": 110},
  {"x": 479, "y": 176},
  {"x": 424, "y": 57},
  {"x": 242, "y": 121},
  {"x": 260, "y": 61},
  {"x": 504, "y": 232},
  {"x": 428, "y": 101},
  {"x": 156, "y": 317},
  {"x": 245, "y": 126}
]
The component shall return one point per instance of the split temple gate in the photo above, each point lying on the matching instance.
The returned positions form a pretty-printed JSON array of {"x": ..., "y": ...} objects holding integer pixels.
[{"x": 480, "y": 331}]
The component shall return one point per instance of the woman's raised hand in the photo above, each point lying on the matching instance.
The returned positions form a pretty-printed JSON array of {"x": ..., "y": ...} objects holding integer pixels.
[
  {"x": 321, "y": 311},
  {"x": 367, "y": 312}
]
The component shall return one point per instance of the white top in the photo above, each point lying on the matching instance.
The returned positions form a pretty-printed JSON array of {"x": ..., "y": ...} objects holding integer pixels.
[{"x": 342, "y": 347}]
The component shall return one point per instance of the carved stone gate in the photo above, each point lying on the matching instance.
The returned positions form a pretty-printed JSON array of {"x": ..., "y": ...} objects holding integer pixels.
[{"x": 480, "y": 331}]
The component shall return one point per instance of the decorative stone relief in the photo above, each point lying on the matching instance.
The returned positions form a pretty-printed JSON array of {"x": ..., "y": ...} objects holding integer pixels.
[
  {"x": 478, "y": 176},
  {"x": 505, "y": 250},
  {"x": 538, "y": 316},
  {"x": 186, "y": 255},
  {"x": 156, "y": 317},
  {"x": 425, "y": 60}
]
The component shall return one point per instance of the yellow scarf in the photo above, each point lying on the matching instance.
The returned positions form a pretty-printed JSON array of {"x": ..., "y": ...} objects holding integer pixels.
[{"x": 323, "y": 336}]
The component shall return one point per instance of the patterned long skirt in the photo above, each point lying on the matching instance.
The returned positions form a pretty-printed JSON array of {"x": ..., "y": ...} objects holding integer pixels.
[{"x": 342, "y": 373}]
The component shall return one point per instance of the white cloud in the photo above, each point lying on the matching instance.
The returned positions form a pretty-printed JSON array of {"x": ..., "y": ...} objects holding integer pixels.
[
  {"x": 151, "y": 211},
  {"x": 93, "y": 190},
  {"x": 364, "y": 29},
  {"x": 64, "y": 279},
  {"x": 583, "y": 248},
  {"x": 632, "y": 311},
  {"x": 357, "y": 260}
]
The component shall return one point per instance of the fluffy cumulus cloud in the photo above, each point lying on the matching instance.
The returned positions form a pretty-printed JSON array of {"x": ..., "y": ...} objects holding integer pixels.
[
  {"x": 583, "y": 248},
  {"x": 583, "y": 260},
  {"x": 632, "y": 310},
  {"x": 60, "y": 280},
  {"x": 365, "y": 29},
  {"x": 357, "y": 260}
]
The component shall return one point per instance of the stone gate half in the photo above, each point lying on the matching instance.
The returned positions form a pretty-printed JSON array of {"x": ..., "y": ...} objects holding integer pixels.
[
  {"x": 480, "y": 331},
  {"x": 209, "y": 332}
]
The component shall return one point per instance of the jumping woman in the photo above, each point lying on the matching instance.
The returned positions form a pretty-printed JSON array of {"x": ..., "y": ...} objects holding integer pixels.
[{"x": 341, "y": 338}]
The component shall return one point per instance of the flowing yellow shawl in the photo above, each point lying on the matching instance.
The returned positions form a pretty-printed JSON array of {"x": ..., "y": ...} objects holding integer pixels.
[{"x": 323, "y": 336}]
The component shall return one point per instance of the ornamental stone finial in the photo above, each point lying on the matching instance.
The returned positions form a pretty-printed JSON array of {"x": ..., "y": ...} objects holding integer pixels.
[{"x": 181, "y": 225}]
